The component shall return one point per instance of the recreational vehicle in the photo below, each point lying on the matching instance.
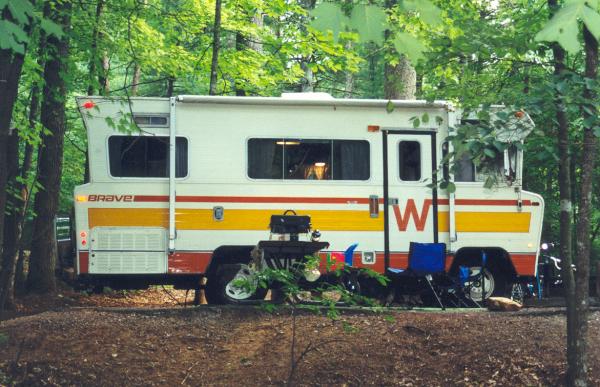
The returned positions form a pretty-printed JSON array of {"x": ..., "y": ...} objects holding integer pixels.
[{"x": 189, "y": 191}]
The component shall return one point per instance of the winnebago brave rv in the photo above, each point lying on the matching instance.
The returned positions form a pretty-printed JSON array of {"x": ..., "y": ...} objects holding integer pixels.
[{"x": 191, "y": 191}]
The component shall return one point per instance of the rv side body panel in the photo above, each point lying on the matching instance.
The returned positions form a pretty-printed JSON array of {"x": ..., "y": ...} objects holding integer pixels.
[{"x": 219, "y": 204}]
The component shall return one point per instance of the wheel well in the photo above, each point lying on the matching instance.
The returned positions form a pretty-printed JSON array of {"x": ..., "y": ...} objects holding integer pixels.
[
  {"x": 227, "y": 255},
  {"x": 498, "y": 260}
]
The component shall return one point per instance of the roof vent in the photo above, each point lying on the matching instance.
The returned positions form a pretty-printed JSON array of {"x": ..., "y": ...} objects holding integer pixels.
[{"x": 307, "y": 96}]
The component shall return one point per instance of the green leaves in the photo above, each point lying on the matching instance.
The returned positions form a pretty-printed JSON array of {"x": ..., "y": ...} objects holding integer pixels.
[
  {"x": 370, "y": 21},
  {"x": 51, "y": 28},
  {"x": 12, "y": 30},
  {"x": 563, "y": 28},
  {"x": 426, "y": 9},
  {"x": 12, "y": 37},
  {"x": 329, "y": 17},
  {"x": 408, "y": 45},
  {"x": 389, "y": 107},
  {"x": 20, "y": 10}
]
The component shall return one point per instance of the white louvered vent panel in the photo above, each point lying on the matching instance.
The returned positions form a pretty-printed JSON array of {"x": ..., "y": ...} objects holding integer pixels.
[
  {"x": 127, "y": 262},
  {"x": 128, "y": 239}
]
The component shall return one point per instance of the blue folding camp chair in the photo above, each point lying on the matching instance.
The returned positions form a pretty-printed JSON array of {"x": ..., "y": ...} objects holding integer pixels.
[
  {"x": 349, "y": 254},
  {"x": 350, "y": 279},
  {"x": 424, "y": 261}
]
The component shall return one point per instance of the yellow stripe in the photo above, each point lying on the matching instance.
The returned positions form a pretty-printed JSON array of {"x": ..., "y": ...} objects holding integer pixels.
[
  {"x": 202, "y": 219},
  {"x": 492, "y": 221},
  {"x": 326, "y": 220}
]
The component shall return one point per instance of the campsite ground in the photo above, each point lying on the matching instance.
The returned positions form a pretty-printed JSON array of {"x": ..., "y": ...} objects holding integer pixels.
[{"x": 147, "y": 338}]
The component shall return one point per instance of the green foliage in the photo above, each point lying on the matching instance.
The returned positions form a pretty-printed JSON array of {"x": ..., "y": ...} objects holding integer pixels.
[
  {"x": 564, "y": 25},
  {"x": 370, "y": 21},
  {"x": 14, "y": 33}
]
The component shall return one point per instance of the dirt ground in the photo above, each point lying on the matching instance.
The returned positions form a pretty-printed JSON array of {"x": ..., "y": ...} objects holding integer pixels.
[{"x": 148, "y": 338}]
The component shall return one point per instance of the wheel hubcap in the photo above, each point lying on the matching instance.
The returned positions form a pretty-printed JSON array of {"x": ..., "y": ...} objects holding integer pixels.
[
  {"x": 474, "y": 287},
  {"x": 243, "y": 285}
]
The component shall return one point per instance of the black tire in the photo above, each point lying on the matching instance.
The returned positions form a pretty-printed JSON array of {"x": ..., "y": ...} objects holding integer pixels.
[{"x": 216, "y": 287}]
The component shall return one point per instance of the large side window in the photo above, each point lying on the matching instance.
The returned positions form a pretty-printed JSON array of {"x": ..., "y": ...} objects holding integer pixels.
[
  {"x": 146, "y": 156},
  {"x": 409, "y": 154},
  {"x": 302, "y": 159}
]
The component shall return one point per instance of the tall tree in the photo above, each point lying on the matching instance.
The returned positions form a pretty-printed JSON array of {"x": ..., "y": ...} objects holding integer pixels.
[
  {"x": 94, "y": 75},
  {"x": 563, "y": 28},
  {"x": 11, "y": 65},
  {"x": 19, "y": 200},
  {"x": 566, "y": 204},
  {"x": 216, "y": 45},
  {"x": 400, "y": 77},
  {"x": 43, "y": 246},
  {"x": 577, "y": 372},
  {"x": 8, "y": 262}
]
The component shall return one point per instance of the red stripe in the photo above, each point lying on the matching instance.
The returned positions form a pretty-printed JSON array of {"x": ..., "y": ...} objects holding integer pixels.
[
  {"x": 324, "y": 200},
  {"x": 250, "y": 199},
  {"x": 189, "y": 262},
  {"x": 487, "y": 202},
  {"x": 524, "y": 263}
]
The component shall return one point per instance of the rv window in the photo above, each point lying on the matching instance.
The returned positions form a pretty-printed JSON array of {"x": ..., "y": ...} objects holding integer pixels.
[
  {"x": 410, "y": 160},
  {"x": 156, "y": 121},
  {"x": 464, "y": 169},
  {"x": 145, "y": 156},
  {"x": 301, "y": 159},
  {"x": 491, "y": 166},
  {"x": 265, "y": 159}
]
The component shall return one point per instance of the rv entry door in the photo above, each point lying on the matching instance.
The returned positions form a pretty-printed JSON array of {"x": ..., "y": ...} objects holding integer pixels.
[{"x": 409, "y": 169}]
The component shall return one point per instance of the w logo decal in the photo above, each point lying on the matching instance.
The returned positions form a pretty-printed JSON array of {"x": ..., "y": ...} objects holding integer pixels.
[{"x": 410, "y": 211}]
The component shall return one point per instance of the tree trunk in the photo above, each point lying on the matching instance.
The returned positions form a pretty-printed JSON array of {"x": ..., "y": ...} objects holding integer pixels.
[
  {"x": 215, "y": 49},
  {"x": 577, "y": 371},
  {"x": 7, "y": 275},
  {"x": 240, "y": 45},
  {"x": 349, "y": 81},
  {"x": 13, "y": 223},
  {"x": 566, "y": 205},
  {"x": 93, "y": 74},
  {"x": 400, "y": 80},
  {"x": 11, "y": 65},
  {"x": 598, "y": 280},
  {"x": 43, "y": 246},
  {"x": 170, "y": 86},
  {"x": 137, "y": 75},
  {"x": 103, "y": 77},
  {"x": 24, "y": 189}
]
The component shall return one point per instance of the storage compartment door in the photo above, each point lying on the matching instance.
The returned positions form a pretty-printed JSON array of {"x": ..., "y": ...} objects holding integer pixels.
[{"x": 128, "y": 250}]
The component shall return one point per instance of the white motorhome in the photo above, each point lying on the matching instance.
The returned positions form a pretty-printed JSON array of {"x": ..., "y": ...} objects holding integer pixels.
[{"x": 192, "y": 189}]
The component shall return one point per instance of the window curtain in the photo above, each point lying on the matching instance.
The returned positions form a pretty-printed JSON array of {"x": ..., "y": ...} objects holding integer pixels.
[
  {"x": 264, "y": 159},
  {"x": 354, "y": 161}
]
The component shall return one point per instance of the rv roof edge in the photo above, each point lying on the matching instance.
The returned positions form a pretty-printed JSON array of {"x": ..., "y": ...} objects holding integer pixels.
[{"x": 310, "y": 102}]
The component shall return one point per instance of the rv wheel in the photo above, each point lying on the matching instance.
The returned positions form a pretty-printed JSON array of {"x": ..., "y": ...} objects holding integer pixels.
[
  {"x": 494, "y": 283},
  {"x": 233, "y": 284}
]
